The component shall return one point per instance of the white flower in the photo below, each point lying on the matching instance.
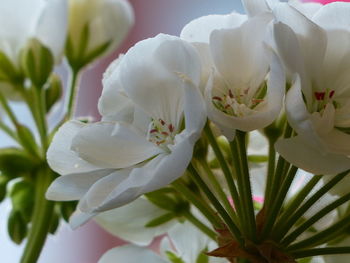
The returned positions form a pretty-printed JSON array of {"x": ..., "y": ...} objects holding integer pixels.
[
  {"x": 96, "y": 27},
  {"x": 317, "y": 105},
  {"x": 248, "y": 85},
  {"x": 183, "y": 241},
  {"x": 23, "y": 20},
  {"x": 109, "y": 164}
]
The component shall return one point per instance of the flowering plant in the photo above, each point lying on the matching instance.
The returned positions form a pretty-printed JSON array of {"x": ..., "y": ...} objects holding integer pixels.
[{"x": 231, "y": 140}]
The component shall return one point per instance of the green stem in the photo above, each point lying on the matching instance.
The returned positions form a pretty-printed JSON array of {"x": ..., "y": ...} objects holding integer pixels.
[
  {"x": 276, "y": 205},
  {"x": 202, "y": 227},
  {"x": 321, "y": 251},
  {"x": 270, "y": 171},
  {"x": 41, "y": 220},
  {"x": 312, "y": 220},
  {"x": 239, "y": 155},
  {"x": 312, "y": 200},
  {"x": 218, "y": 189},
  {"x": 324, "y": 236},
  {"x": 204, "y": 208},
  {"x": 72, "y": 94},
  {"x": 221, "y": 211},
  {"x": 40, "y": 118},
  {"x": 225, "y": 168},
  {"x": 8, "y": 110},
  {"x": 8, "y": 131}
]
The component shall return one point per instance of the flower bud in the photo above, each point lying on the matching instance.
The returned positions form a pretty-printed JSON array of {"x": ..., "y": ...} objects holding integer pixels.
[
  {"x": 14, "y": 162},
  {"x": 37, "y": 62},
  {"x": 53, "y": 92},
  {"x": 96, "y": 27},
  {"x": 10, "y": 77},
  {"x": 3, "y": 185},
  {"x": 22, "y": 197},
  {"x": 16, "y": 227},
  {"x": 67, "y": 209}
]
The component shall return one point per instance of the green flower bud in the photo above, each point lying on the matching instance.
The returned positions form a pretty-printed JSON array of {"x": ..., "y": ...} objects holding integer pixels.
[
  {"x": 16, "y": 227},
  {"x": 37, "y": 62},
  {"x": 53, "y": 92},
  {"x": 200, "y": 151},
  {"x": 14, "y": 162},
  {"x": 55, "y": 220},
  {"x": 3, "y": 186},
  {"x": 67, "y": 209},
  {"x": 22, "y": 197}
]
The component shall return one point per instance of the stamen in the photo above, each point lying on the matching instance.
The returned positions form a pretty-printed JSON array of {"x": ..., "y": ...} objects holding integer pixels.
[
  {"x": 331, "y": 94},
  {"x": 320, "y": 95}
]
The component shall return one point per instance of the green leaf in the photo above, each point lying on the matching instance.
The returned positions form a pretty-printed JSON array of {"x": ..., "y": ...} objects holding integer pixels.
[
  {"x": 14, "y": 162},
  {"x": 161, "y": 220},
  {"x": 173, "y": 258},
  {"x": 16, "y": 227}
]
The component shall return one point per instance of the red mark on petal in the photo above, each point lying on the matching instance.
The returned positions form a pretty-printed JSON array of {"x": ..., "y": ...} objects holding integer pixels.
[{"x": 171, "y": 128}]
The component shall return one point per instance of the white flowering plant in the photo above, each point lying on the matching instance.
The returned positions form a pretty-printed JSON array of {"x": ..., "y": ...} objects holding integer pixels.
[{"x": 231, "y": 141}]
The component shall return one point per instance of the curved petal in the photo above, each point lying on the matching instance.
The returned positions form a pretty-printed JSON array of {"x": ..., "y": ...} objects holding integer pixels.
[
  {"x": 311, "y": 159},
  {"x": 312, "y": 38},
  {"x": 153, "y": 175},
  {"x": 333, "y": 16},
  {"x": 131, "y": 254},
  {"x": 128, "y": 222},
  {"x": 307, "y": 9},
  {"x": 199, "y": 30},
  {"x": 257, "y": 7},
  {"x": 74, "y": 186},
  {"x": 79, "y": 218},
  {"x": 338, "y": 258},
  {"x": 113, "y": 145},
  {"x": 51, "y": 27},
  {"x": 61, "y": 158},
  {"x": 149, "y": 75},
  {"x": 261, "y": 118}
]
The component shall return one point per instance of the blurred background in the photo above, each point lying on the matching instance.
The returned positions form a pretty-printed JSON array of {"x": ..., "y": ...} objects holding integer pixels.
[{"x": 88, "y": 243}]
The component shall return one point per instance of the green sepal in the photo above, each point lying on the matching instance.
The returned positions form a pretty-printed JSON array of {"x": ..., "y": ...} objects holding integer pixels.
[
  {"x": 53, "y": 92},
  {"x": 55, "y": 221},
  {"x": 161, "y": 220},
  {"x": 200, "y": 151},
  {"x": 67, "y": 209},
  {"x": 8, "y": 71},
  {"x": 3, "y": 186},
  {"x": 162, "y": 201},
  {"x": 22, "y": 198},
  {"x": 14, "y": 162},
  {"x": 305, "y": 260},
  {"x": 202, "y": 257},
  {"x": 16, "y": 227},
  {"x": 173, "y": 258},
  {"x": 37, "y": 62}
]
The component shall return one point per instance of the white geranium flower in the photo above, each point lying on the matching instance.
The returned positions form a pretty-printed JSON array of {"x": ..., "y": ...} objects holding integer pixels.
[
  {"x": 23, "y": 20},
  {"x": 183, "y": 241},
  {"x": 96, "y": 27},
  {"x": 111, "y": 163},
  {"x": 317, "y": 105},
  {"x": 248, "y": 85}
]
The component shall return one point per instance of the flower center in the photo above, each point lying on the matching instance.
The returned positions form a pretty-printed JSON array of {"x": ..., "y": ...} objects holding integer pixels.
[
  {"x": 322, "y": 98},
  {"x": 161, "y": 133},
  {"x": 240, "y": 102}
]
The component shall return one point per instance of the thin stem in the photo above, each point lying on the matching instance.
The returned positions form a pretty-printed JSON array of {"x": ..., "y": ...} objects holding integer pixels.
[
  {"x": 312, "y": 200},
  {"x": 40, "y": 118},
  {"x": 41, "y": 220},
  {"x": 72, "y": 94},
  {"x": 270, "y": 171},
  {"x": 225, "y": 168},
  {"x": 8, "y": 131},
  {"x": 272, "y": 213},
  {"x": 321, "y": 251},
  {"x": 239, "y": 153},
  {"x": 221, "y": 211},
  {"x": 218, "y": 189},
  {"x": 324, "y": 236},
  {"x": 8, "y": 110},
  {"x": 202, "y": 227},
  {"x": 312, "y": 220},
  {"x": 205, "y": 209}
]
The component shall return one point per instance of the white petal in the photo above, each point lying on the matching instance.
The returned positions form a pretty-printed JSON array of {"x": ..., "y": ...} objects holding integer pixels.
[
  {"x": 74, "y": 186},
  {"x": 60, "y": 156},
  {"x": 256, "y": 7},
  {"x": 157, "y": 173},
  {"x": 239, "y": 53},
  {"x": 296, "y": 151},
  {"x": 312, "y": 38},
  {"x": 112, "y": 145},
  {"x": 79, "y": 218},
  {"x": 51, "y": 27},
  {"x": 131, "y": 254},
  {"x": 339, "y": 189},
  {"x": 333, "y": 16},
  {"x": 263, "y": 117},
  {"x": 199, "y": 30},
  {"x": 307, "y": 9},
  {"x": 128, "y": 222},
  {"x": 149, "y": 75}
]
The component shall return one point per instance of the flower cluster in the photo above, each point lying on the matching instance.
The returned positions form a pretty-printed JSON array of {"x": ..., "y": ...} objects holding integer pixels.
[{"x": 176, "y": 148}]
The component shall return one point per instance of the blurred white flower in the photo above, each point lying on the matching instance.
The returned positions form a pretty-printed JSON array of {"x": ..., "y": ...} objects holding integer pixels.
[
  {"x": 21, "y": 21},
  {"x": 96, "y": 28},
  {"x": 317, "y": 104},
  {"x": 110, "y": 163}
]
